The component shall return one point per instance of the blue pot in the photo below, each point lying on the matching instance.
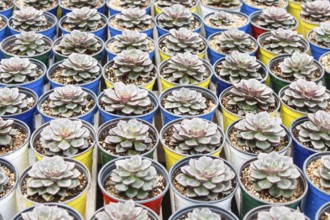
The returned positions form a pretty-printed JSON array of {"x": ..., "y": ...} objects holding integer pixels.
[
  {"x": 114, "y": 12},
  {"x": 50, "y": 32},
  {"x": 316, "y": 50},
  {"x": 162, "y": 31},
  {"x": 169, "y": 116},
  {"x": 212, "y": 30},
  {"x": 88, "y": 117},
  {"x": 65, "y": 10},
  {"x": 322, "y": 210},
  {"x": 247, "y": 9},
  {"x": 107, "y": 116},
  {"x": 315, "y": 197},
  {"x": 8, "y": 12},
  {"x": 51, "y": 10},
  {"x": 3, "y": 32}
]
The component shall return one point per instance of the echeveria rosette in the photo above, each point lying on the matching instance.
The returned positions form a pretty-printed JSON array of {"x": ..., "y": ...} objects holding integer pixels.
[
  {"x": 223, "y": 3},
  {"x": 131, "y": 39},
  {"x": 274, "y": 18},
  {"x": 316, "y": 11},
  {"x": 12, "y": 101},
  {"x": 83, "y": 19},
  {"x": 7, "y": 132},
  {"x": 29, "y": 19},
  {"x": 134, "y": 19},
  {"x": 280, "y": 213},
  {"x": 321, "y": 35},
  {"x": 29, "y": 44},
  {"x": 47, "y": 212},
  {"x": 124, "y": 4},
  {"x": 72, "y": 4},
  {"x": 203, "y": 213},
  {"x": 4, "y": 179},
  {"x": 176, "y": 16},
  {"x": 221, "y": 18},
  {"x": 42, "y": 5},
  {"x": 268, "y": 3},
  {"x": 323, "y": 172},
  {"x": 169, "y": 3}
]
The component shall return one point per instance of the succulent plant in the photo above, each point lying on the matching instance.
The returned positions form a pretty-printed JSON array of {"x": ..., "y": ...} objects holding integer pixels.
[
  {"x": 260, "y": 132},
  {"x": 240, "y": 66},
  {"x": 3, "y": 179},
  {"x": 283, "y": 41},
  {"x": 279, "y": 213},
  {"x": 135, "y": 177},
  {"x": 234, "y": 39},
  {"x": 321, "y": 35},
  {"x": 134, "y": 19},
  {"x": 323, "y": 172},
  {"x": 268, "y": 3},
  {"x": 183, "y": 40},
  {"x": 29, "y": 19},
  {"x": 126, "y": 100},
  {"x": 29, "y": 44},
  {"x": 80, "y": 68},
  {"x": 67, "y": 101},
  {"x": 51, "y": 177},
  {"x": 78, "y": 42},
  {"x": 185, "y": 102},
  {"x": 251, "y": 96},
  {"x": 40, "y": 4},
  {"x": 223, "y": 3},
  {"x": 7, "y": 132},
  {"x": 315, "y": 132},
  {"x": 17, "y": 70},
  {"x": 124, "y": 4},
  {"x": 130, "y": 137},
  {"x": 64, "y": 137},
  {"x": 195, "y": 136},
  {"x": 47, "y": 212},
  {"x": 306, "y": 96},
  {"x": 169, "y": 3},
  {"x": 130, "y": 39},
  {"x": 176, "y": 16},
  {"x": 273, "y": 18},
  {"x": 203, "y": 213},
  {"x": 316, "y": 11},
  {"x": 222, "y": 18},
  {"x": 185, "y": 68},
  {"x": 4, "y": 4},
  {"x": 122, "y": 211},
  {"x": 83, "y": 19},
  {"x": 206, "y": 177},
  {"x": 72, "y": 4},
  {"x": 12, "y": 101},
  {"x": 274, "y": 173}
]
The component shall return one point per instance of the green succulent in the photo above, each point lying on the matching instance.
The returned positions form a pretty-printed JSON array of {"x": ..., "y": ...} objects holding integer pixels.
[
  {"x": 129, "y": 40},
  {"x": 222, "y": 18},
  {"x": 29, "y": 44},
  {"x": 316, "y": 11},
  {"x": 134, "y": 19},
  {"x": 4, "y": 179},
  {"x": 42, "y": 5},
  {"x": 83, "y": 19},
  {"x": 47, "y": 212},
  {"x": 176, "y": 16},
  {"x": 274, "y": 18},
  {"x": 7, "y": 132},
  {"x": 321, "y": 35},
  {"x": 29, "y": 19},
  {"x": 73, "y": 4},
  {"x": 12, "y": 101},
  {"x": 280, "y": 213},
  {"x": 203, "y": 213},
  {"x": 224, "y": 3},
  {"x": 323, "y": 172},
  {"x": 169, "y": 3}
]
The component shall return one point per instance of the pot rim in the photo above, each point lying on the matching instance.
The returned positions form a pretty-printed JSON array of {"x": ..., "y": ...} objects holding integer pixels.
[
  {"x": 315, "y": 45},
  {"x": 18, "y": 7},
  {"x": 231, "y": 12},
  {"x": 101, "y": 6},
  {"x": 113, "y": 16},
  {"x": 12, "y": 168},
  {"x": 8, "y": 9},
  {"x": 6, "y": 20},
  {"x": 321, "y": 210}
]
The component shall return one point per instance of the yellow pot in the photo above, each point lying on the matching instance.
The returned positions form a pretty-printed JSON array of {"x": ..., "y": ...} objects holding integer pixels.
[
  {"x": 158, "y": 10},
  {"x": 295, "y": 9},
  {"x": 307, "y": 26}
]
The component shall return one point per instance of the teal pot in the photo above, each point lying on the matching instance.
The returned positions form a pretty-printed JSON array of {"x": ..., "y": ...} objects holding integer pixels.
[
  {"x": 253, "y": 214},
  {"x": 277, "y": 82},
  {"x": 65, "y": 10},
  {"x": 224, "y": 213},
  {"x": 249, "y": 202},
  {"x": 325, "y": 208},
  {"x": 10, "y": 41},
  {"x": 52, "y": 10},
  {"x": 103, "y": 131},
  {"x": 326, "y": 73}
]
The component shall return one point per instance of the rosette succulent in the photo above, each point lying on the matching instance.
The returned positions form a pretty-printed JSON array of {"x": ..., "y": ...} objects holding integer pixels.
[
  {"x": 126, "y": 100},
  {"x": 251, "y": 96},
  {"x": 222, "y": 18},
  {"x": 267, "y": 3},
  {"x": 169, "y": 3},
  {"x": 40, "y": 4},
  {"x": 183, "y": 40},
  {"x": 176, "y": 16},
  {"x": 64, "y": 137},
  {"x": 3, "y": 179},
  {"x": 223, "y": 3},
  {"x": 17, "y": 70},
  {"x": 78, "y": 42},
  {"x": 130, "y": 137},
  {"x": 134, "y": 177},
  {"x": 273, "y": 18},
  {"x": 316, "y": 11},
  {"x": 275, "y": 174},
  {"x": 321, "y": 35},
  {"x": 195, "y": 136},
  {"x": 185, "y": 68},
  {"x": 29, "y": 19},
  {"x": 129, "y": 40},
  {"x": 132, "y": 4},
  {"x": 260, "y": 132},
  {"x": 315, "y": 132},
  {"x": 47, "y": 212},
  {"x": 12, "y": 101},
  {"x": 7, "y": 132},
  {"x": 122, "y": 211},
  {"x": 52, "y": 177},
  {"x": 83, "y": 19},
  {"x": 204, "y": 213},
  {"x": 239, "y": 66},
  {"x": 4, "y": 4},
  {"x": 72, "y": 4},
  {"x": 185, "y": 102},
  {"x": 29, "y": 44},
  {"x": 323, "y": 172},
  {"x": 280, "y": 212},
  {"x": 134, "y": 19},
  {"x": 206, "y": 177},
  {"x": 306, "y": 96}
]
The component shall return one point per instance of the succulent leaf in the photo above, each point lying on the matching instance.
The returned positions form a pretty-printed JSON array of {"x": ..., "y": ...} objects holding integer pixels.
[
  {"x": 274, "y": 18},
  {"x": 129, "y": 40},
  {"x": 72, "y": 4},
  {"x": 203, "y": 213},
  {"x": 176, "y": 16},
  {"x": 83, "y": 19},
  {"x": 323, "y": 172},
  {"x": 279, "y": 213},
  {"x": 169, "y": 3},
  {"x": 29, "y": 19},
  {"x": 134, "y": 19},
  {"x": 42, "y": 5},
  {"x": 224, "y": 3},
  {"x": 316, "y": 11},
  {"x": 222, "y": 18},
  {"x": 7, "y": 132},
  {"x": 268, "y": 3},
  {"x": 47, "y": 212},
  {"x": 29, "y": 44},
  {"x": 12, "y": 101},
  {"x": 5, "y": 4},
  {"x": 4, "y": 179},
  {"x": 321, "y": 35}
]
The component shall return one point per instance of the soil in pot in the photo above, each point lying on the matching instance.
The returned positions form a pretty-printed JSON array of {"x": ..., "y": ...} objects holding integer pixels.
[
  {"x": 215, "y": 46},
  {"x": 17, "y": 140},
  {"x": 7, "y": 6},
  {"x": 47, "y": 26},
  {"x": 238, "y": 21},
  {"x": 57, "y": 76},
  {"x": 100, "y": 24},
  {"x": 310, "y": 169},
  {"x": 66, "y": 3},
  {"x": 21, "y": 4},
  {"x": 253, "y": 3},
  {"x": 114, "y": 23},
  {"x": 187, "y": 4},
  {"x": 115, "y": 4},
  {"x": 11, "y": 181},
  {"x": 111, "y": 46},
  {"x": 325, "y": 62}
]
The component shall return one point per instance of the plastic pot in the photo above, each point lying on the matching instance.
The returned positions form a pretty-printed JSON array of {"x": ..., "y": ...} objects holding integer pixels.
[
  {"x": 295, "y": 9},
  {"x": 326, "y": 73},
  {"x": 7, "y": 12},
  {"x": 3, "y": 30},
  {"x": 52, "y": 10},
  {"x": 106, "y": 156},
  {"x": 65, "y": 10},
  {"x": 315, "y": 197},
  {"x": 169, "y": 116},
  {"x": 158, "y": 9},
  {"x": 88, "y": 117},
  {"x": 8, "y": 203},
  {"x": 77, "y": 203},
  {"x": 322, "y": 210},
  {"x": 85, "y": 157},
  {"x": 113, "y": 11},
  {"x": 249, "y": 9},
  {"x": 307, "y": 26},
  {"x": 206, "y": 9},
  {"x": 249, "y": 202},
  {"x": 106, "y": 116},
  {"x": 153, "y": 203},
  {"x": 316, "y": 50},
  {"x": 109, "y": 84}
]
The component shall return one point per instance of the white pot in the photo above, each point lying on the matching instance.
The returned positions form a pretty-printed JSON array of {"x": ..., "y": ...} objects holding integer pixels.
[{"x": 207, "y": 9}]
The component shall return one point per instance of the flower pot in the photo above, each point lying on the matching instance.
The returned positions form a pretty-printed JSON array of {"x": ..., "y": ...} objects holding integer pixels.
[
  {"x": 107, "y": 116},
  {"x": 78, "y": 203},
  {"x": 101, "y": 32},
  {"x": 238, "y": 157},
  {"x": 109, "y": 84},
  {"x": 308, "y": 26},
  {"x": 7, "y": 12},
  {"x": 88, "y": 117},
  {"x": 182, "y": 201},
  {"x": 326, "y": 73},
  {"x": 92, "y": 85},
  {"x": 107, "y": 156},
  {"x": 158, "y": 9},
  {"x": 43, "y": 57},
  {"x": 85, "y": 157},
  {"x": 316, "y": 50},
  {"x": 65, "y": 10},
  {"x": 164, "y": 56},
  {"x": 249, "y": 9},
  {"x": 206, "y": 9},
  {"x": 295, "y": 9},
  {"x": 3, "y": 30},
  {"x": 212, "y": 30},
  {"x": 167, "y": 84},
  {"x": 113, "y": 11},
  {"x": 153, "y": 203},
  {"x": 162, "y": 31},
  {"x": 315, "y": 197},
  {"x": 49, "y": 32},
  {"x": 277, "y": 82},
  {"x": 249, "y": 202},
  {"x": 52, "y": 10},
  {"x": 322, "y": 210},
  {"x": 253, "y": 214},
  {"x": 169, "y": 116},
  {"x": 8, "y": 203}
]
